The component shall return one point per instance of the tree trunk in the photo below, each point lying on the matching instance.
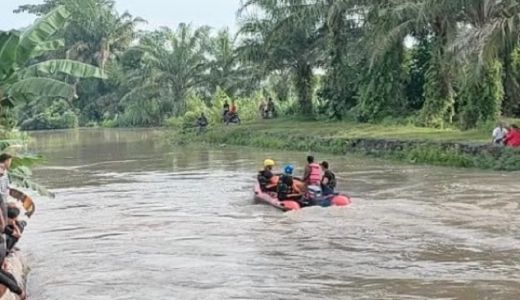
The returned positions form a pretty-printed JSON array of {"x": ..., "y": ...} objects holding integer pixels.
[
  {"x": 303, "y": 82},
  {"x": 338, "y": 90},
  {"x": 511, "y": 102},
  {"x": 439, "y": 105}
]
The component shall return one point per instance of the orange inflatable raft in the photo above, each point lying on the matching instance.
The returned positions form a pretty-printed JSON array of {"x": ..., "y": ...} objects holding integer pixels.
[{"x": 271, "y": 199}]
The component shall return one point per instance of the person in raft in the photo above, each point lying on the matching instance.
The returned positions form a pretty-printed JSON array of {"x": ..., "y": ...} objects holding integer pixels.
[
  {"x": 312, "y": 173},
  {"x": 499, "y": 135},
  {"x": 328, "y": 181},
  {"x": 285, "y": 188},
  {"x": 265, "y": 177},
  {"x": 513, "y": 137}
]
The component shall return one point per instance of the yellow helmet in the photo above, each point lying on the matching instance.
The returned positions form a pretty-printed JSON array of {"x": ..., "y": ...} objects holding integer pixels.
[{"x": 268, "y": 163}]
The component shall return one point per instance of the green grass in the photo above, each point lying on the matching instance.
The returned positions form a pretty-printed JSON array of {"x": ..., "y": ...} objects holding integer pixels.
[
  {"x": 416, "y": 145},
  {"x": 349, "y": 130}
]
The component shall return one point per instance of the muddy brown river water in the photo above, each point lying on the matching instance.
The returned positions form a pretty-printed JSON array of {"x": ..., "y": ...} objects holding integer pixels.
[{"x": 135, "y": 218}]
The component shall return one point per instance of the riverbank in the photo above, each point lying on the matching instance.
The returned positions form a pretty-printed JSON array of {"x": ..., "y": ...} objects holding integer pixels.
[{"x": 445, "y": 147}]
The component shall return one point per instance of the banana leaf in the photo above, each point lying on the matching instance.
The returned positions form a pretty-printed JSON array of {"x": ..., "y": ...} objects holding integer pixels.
[
  {"x": 67, "y": 66},
  {"x": 47, "y": 46},
  {"x": 44, "y": 87},
  {"x": 40, "y": 32},
  {"x": 8, "y": 45}
]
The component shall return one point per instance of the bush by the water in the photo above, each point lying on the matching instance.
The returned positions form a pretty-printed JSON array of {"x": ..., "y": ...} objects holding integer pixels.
[
  {"x": 56, "y": 116},
  {"x": 45, "y": 122},
  {"x": 248, "y": 109}
]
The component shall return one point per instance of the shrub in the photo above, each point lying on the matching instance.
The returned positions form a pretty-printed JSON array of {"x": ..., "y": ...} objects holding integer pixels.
[{"x": 45, "y": 121}]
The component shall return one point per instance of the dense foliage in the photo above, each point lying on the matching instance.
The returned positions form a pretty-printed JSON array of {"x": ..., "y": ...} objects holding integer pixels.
[
  {"x": 437, "y": 63},
  {"x": 28, "y": 78}
]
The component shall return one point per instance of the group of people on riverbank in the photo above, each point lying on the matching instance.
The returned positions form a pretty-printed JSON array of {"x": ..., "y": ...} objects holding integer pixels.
[
  {"x": 267, "y": 109},
  {"x": 317, "y": 178},
  {"x": 506, "y": 136},
  {"x": 12, "y": 229},
  {"x": 230, "y": 114}
]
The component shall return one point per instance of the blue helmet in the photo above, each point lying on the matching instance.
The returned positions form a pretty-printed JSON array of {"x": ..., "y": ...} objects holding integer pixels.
[{"x": 289, "y": 169}]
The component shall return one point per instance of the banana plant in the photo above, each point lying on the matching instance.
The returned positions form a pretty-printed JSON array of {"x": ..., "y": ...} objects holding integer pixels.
[{"x": 24, "y": 76}]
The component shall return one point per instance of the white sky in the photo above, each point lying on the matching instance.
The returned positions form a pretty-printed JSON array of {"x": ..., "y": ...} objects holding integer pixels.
[{"x": 215, "y": 13}]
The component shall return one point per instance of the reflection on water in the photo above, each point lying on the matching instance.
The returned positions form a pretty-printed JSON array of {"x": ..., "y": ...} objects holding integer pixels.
[{"x": 137, "y": 219}]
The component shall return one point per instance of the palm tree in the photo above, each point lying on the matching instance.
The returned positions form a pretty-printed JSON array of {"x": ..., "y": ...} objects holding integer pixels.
[
  {"x": 226, "y": 69},
  {"x": 339, "y": 22},
  {"x": 440, "y": 19},
  {"x": 98, "y": 33},
  {"x": 273, "y": 40},
  {"x": 492, "y": 32},
  {"x": 173, "y": 64}
]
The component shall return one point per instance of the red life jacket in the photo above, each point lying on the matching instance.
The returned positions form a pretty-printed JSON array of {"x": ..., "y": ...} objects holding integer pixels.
[{"x": 315, "y": 175}]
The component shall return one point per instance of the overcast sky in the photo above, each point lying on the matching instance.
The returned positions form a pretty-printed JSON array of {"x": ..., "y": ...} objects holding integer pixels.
[{"x": 215, "y": 13}]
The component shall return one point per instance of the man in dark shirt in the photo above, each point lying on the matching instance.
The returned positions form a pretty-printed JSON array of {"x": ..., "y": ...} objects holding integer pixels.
[
  {"x": 202, "y": 123},
  {"x": 265, "y": 177},
  {"x": 328, "y": 181}
]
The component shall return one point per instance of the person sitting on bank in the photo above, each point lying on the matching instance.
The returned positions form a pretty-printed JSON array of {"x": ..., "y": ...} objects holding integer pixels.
[
  {"x": 513, "y": 137},
  {"x": 270, "y": 107},
  {"x": 285, "y": 188},
  {"x": 7, "y": 280},
  {"x": 14, "y": 228},
  {"x": 5, "y": 164},
  {"x": 202, "y": 122},
  {"x": 233, "y": 110},
  {"x": 499, "y": 135},
  {"x": 225, "y": 109},
  {"x": 13, "y": 232},
  {"x": 265, "y": 177},
  {"x": 312, "y": 173},
  {"x": 262, "y": 108},
  {"x": 328, "y": 181}
]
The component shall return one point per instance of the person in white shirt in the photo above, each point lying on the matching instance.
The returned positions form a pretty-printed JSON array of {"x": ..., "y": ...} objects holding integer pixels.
[{"x": 499, "y": 135}]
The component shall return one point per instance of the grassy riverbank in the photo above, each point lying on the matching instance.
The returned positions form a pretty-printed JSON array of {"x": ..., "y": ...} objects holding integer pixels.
[{"x": 447, "y": 147}]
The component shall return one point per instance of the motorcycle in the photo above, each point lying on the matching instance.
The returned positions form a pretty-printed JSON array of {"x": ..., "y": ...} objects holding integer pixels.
[
  {"x": 268, "y": 114},
  {"x": 232, "y": 118}
]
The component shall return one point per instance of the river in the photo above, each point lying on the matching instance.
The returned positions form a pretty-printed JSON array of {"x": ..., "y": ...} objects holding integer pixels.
[{"x": 135, "y": 218}]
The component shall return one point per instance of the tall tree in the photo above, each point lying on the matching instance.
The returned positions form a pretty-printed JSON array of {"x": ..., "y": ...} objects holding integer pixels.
[
  {"x": 440, "y": 18},
  {"x": 174, "y": 63},
  {"x": 273, "y": 41},
  {"x": 340, "y": 24},
  {"x": 492, "y": 32},
  {"x": 226, "y": 68},
  {"x": 95, "y": 34}
]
